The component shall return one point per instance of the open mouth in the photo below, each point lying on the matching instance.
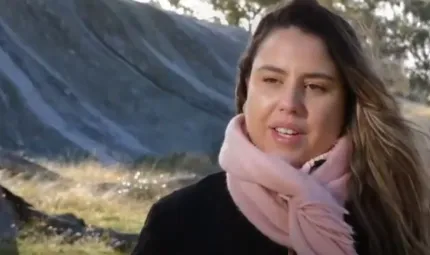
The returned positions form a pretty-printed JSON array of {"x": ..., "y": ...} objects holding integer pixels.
[
  {"x": 287, "y": 136},
  {"x": 286, "y": 132}
]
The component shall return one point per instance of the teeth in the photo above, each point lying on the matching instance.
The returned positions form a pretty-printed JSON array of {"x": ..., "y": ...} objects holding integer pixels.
[{"x": 286, "y": 131}]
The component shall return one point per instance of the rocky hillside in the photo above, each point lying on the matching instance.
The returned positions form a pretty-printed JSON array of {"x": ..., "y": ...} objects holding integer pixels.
[{"x": 115, "y": 79}]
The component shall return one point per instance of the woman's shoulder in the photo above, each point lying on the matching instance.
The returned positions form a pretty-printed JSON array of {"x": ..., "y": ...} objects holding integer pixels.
[
  {"x": 195, "y": 197},
  {"x": 181, "y": 216}
]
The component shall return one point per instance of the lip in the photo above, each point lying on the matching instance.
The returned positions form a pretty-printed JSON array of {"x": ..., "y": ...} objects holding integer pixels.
[
  {"x": 288, "y": 125},
  {"x": 288, "y": 140}
]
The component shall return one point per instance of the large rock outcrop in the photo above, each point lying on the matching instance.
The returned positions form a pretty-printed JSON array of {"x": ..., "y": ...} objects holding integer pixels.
[{"x": 115, "y": 79}]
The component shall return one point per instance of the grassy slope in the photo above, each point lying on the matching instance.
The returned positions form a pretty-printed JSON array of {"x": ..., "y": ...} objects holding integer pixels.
[{"x": 108, "y": 209}]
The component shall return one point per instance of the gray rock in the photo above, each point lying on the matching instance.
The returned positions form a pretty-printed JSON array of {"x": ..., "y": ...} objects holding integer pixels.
[{"x": 112, "y": 79}]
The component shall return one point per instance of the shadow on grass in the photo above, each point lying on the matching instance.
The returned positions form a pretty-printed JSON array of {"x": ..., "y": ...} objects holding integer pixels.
[{"x": 9, "y": 247}]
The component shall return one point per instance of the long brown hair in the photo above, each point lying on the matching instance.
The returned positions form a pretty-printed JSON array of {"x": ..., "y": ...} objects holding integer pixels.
[{"x": 389, "y": 189}]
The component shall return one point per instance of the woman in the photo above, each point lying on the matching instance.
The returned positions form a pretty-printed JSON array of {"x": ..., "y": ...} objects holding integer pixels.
[{"x": 318, "y": 159}]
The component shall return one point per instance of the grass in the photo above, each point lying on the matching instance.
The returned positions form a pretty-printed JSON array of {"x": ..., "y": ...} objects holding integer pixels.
[
  {"x": 109, "y": 209},
  {"x": 51, "y": 247}
]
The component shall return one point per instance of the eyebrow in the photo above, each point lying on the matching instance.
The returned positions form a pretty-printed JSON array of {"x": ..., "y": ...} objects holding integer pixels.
[
  {"x": 305, "y": 75},
  {"x": 272, "y": 68}
]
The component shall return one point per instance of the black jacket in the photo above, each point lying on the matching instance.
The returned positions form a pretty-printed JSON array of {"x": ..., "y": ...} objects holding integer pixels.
[{"x": 203, "y": 219}]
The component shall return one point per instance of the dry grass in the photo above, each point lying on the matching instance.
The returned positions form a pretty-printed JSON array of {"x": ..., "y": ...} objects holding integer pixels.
[
  {"x": 102, "y": 209},
  {"x": 51, "y": 246},
  {"x": 109, "y": 209}
]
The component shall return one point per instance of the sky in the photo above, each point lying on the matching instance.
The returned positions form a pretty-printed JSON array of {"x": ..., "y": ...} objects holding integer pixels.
[{"x": 205, "y": 11}]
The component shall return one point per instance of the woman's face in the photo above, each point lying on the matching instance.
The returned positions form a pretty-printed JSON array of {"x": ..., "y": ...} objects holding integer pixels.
[{"x": 296, "y": 103}]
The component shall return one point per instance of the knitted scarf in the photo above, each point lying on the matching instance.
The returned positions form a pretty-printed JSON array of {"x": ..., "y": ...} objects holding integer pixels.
[{"x": 297, "y": 209}]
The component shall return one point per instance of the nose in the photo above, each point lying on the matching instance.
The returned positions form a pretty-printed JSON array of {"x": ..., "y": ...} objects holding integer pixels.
[{"x": 291, "y": 99}]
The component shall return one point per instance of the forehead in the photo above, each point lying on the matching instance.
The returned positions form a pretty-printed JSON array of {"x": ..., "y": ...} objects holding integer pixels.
[{"x": 291, "y": 48}]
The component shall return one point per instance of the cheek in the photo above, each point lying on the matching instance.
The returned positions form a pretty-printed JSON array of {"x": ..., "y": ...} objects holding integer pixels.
[
  {"x": 258, "y": 101},
  {"x": 327, "y": 120},
  {"x": 257, "y": 109},
  {"x": 253, "y": 113}
]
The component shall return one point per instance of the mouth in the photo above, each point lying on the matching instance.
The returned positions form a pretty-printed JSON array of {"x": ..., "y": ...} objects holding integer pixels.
[
  {"x": 286, "y": 132},
  {"x": 287, "y": 136}
]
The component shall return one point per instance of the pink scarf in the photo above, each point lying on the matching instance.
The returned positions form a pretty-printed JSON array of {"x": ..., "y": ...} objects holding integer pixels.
[{"x": 301, "y": 211}]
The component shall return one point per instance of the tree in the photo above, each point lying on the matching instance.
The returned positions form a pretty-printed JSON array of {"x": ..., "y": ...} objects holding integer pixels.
[
  {"x": 403, "y": 36},
  {"x": 418, "y": 13},
  {"x": 241, "y": 11},
  {"x": 237, "y": 12}
]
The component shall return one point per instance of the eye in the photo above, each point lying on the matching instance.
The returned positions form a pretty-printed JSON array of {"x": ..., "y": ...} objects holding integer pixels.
[
  {"x": 270, "y": 80},
  {"x": 316, "y": 87}
]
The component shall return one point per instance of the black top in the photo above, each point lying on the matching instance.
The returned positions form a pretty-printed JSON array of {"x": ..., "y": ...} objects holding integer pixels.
[{"x": 203, "y": 219}]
